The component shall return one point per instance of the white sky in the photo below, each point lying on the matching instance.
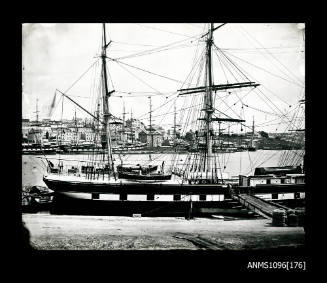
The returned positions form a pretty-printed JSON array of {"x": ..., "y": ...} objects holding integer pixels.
[{"x": 55, "y": 55}]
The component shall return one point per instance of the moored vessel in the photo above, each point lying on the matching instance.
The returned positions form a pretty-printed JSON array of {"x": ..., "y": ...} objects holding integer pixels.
[{"x": 199, "y": 183}]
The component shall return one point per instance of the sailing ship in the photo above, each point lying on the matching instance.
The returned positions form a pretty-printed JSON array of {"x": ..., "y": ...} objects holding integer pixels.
[
  {"x": 199, "y": 185},
  {"x": 288, "y": 176}
]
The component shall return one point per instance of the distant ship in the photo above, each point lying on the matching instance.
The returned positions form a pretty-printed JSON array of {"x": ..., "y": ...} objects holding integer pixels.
[{"x": 35, "y": 144}]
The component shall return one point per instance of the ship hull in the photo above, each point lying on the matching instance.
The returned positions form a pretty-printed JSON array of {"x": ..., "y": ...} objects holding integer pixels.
[
  {"x": 67, "y": 204},
  {"x": 164, "y": 188},
  {"x": 153, "y": 199},
  {"x": 123, "y": 198},
  {"x": 131, "y": 187}
]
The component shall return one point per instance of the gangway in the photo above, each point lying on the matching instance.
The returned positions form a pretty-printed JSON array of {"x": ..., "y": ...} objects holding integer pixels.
[{"x": 258, "y": 205}]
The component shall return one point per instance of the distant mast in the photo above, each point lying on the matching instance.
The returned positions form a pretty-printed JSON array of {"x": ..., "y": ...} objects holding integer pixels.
[
  {"x": 36, "y": 131},
  {"x": 123, "y": 122},
  {"x": 76, "y": 128},
  {"x": 37, "y": 112},
  {"x": 132, "y": 131},
  {"x": 151, "y": 133},
  {"x": 124, "y": 139},
  {"x": 252, "y": 132}
]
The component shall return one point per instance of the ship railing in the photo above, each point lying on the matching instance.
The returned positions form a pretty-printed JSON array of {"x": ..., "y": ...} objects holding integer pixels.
[
  {"x": 206, "y": 181},
  {"x": 63, "y": 169},
  {"x": 89, "y": 171}
]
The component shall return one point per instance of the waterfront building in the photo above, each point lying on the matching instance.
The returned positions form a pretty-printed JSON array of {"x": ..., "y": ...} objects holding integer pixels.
[{"x": 157, "y": 138}]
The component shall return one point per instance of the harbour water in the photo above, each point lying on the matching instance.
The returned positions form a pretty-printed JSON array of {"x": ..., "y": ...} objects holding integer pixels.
[{"x": 236, "y": 163}]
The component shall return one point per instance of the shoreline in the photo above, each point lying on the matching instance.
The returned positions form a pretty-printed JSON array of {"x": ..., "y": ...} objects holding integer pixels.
[{"x": 159, "y": 151}]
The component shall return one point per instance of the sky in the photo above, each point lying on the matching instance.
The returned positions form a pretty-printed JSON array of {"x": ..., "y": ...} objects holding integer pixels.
[{"x": 56, "y": 55}]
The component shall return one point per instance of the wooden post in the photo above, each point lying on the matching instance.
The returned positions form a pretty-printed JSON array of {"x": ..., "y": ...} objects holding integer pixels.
[{"x": 190, "y": 216}]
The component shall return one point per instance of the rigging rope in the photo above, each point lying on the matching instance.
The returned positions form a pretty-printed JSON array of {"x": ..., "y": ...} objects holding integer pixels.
[
  {"x": 175, "y": 33},
  {"x": 263, "y": 69},
  {"x": 152, "y": 73},
  {"x": 267, "y": 51}
]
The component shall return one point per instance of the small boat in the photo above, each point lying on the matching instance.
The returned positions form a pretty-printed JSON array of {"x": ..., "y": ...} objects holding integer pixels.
[
  {"x": 36, "y": 197},
  {"x": 143, "y": 172},
  {"x": 283, "y": 170},
  {"x": 150, "y": 176},
  {"x": 136, "y": 168}
]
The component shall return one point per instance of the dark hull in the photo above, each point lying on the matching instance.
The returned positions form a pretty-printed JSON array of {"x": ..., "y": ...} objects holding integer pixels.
[
  {"x": 167, "y": 188},
  {"x": 70, "y": 198},
  {"x": 38, "y": 152},
  {"x": 67, "y": 205},
  {"x": 134, "y": 188}
]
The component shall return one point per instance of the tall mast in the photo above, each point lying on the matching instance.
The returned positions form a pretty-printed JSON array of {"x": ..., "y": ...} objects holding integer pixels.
[
  {"x": 105, "y": 97},
  {"x": 208, "y": 107},
  {"x": 207, "y": 130}
]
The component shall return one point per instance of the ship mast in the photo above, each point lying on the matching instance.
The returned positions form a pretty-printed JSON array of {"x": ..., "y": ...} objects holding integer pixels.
[
  {"x": 175, "y": 135},
  {"x": 105, "y": 96},
  {"x": 208, "y": 107}
]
